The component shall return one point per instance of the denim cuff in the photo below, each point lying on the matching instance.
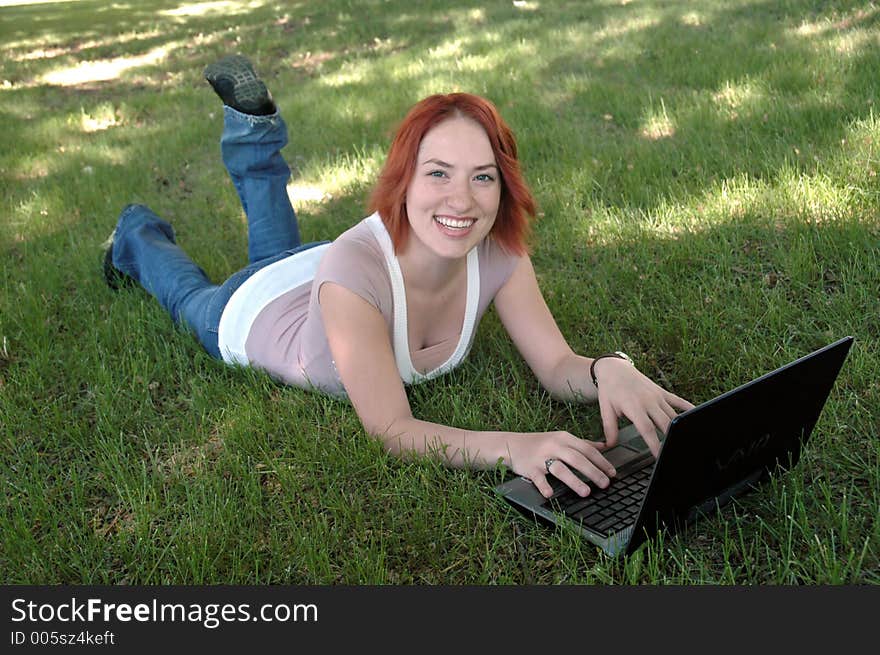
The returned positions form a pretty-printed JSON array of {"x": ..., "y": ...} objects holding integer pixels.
[{"x": 235, "y": 115}]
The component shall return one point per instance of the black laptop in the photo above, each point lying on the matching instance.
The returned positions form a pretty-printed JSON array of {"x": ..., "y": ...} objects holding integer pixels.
[{"x": 709, "y": 455}]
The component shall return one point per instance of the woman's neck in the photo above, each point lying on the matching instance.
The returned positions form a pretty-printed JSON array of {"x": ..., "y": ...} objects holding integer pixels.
[{"x": 427, "y": 272}]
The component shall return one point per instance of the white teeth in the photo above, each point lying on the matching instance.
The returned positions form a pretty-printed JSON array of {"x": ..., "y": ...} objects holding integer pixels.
[{"x": 455, "y": 224}]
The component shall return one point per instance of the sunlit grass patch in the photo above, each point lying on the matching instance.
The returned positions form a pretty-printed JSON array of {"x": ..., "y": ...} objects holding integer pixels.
[
  {"x": 221, "y": 7},
  {"x": 103, "y": 70}
]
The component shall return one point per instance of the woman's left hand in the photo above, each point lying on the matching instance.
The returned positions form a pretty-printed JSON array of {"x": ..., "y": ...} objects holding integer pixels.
[{"x": 625, "y": 391}]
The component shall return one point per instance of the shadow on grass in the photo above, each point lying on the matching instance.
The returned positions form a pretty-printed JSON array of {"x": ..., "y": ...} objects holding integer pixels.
[{"x": 743, "y": 111}]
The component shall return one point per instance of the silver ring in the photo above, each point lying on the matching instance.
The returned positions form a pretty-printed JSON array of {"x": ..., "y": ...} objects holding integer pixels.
[{"x": 548, "y": 463}]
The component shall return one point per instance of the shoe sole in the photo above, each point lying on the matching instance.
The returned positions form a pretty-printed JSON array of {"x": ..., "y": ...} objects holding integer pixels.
[
  {"x": 114, "y": 278},
  {"x": 248, "y": 90}
]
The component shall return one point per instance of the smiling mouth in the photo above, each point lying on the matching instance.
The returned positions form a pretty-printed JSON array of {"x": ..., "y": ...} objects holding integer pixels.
[{"x": 455, "y": 223}]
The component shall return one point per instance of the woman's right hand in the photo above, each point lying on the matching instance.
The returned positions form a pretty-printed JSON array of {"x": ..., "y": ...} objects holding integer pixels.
[
  {"x": 530, "y": 452},
  {"x": 361, "y": 347}
]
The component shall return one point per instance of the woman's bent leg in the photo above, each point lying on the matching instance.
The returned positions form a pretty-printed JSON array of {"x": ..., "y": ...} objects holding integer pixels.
[
  {"x": 144, "y": 248},
  {"x": 251, "y": 148}
]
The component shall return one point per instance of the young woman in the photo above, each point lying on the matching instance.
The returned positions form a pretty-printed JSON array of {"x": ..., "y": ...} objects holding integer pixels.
[{"x": 397, "y": 298}]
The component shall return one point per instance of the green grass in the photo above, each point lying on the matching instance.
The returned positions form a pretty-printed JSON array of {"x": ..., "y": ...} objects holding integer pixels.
[{"x": 708, "y": 181}]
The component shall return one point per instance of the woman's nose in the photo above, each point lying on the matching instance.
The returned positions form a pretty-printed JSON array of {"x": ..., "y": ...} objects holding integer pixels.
[{"x": 459, "y": 198}]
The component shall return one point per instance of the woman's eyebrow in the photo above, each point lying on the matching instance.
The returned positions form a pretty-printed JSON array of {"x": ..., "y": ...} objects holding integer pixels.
[
  {"x": 443, "y": 164},
  {"x": 437, "y": 162}
]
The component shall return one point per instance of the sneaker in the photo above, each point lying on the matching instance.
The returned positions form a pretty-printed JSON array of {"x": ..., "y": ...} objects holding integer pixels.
[
  {"x": 114, "y": 278},
  {"x": 234, "y": 80}
]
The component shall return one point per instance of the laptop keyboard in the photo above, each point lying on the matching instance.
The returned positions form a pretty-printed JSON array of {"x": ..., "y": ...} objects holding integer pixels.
[{"x": 605, "y": 511}]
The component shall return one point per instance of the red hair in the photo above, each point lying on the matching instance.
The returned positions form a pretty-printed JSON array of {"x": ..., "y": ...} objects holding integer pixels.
[{"x": 517, "y": 206}]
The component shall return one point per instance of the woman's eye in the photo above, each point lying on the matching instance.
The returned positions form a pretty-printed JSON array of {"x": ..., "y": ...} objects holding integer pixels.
[
  {"x": 437, "y": 174},
  {"x": 484, "y": 177}
]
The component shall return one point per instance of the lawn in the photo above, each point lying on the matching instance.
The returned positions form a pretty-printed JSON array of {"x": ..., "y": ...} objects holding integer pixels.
[{"x": 707, "y": 175}]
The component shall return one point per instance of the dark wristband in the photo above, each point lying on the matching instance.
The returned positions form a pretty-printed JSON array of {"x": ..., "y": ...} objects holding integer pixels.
[{"x": 616, "y": 354}]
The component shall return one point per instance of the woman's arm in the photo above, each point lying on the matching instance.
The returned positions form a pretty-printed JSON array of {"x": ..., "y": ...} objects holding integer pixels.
[
  {"x": 623, "y": 390},
  {"x": 362, "y": 352}
]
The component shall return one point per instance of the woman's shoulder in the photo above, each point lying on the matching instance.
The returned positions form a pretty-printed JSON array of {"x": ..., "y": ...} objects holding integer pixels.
[
  {"x": 355, "y": 261},
  {"x": 495, "y": 262},
  {"x": 356, "y": 246},
  {"x": 359, "y": 234}
]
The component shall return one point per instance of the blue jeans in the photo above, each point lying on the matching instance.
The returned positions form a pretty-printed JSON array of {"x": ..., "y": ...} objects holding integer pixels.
[{"x": 144, "y": 246}]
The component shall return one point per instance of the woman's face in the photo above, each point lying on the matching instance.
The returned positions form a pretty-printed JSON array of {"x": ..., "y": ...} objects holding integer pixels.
[{"x": 453, "y": 196}]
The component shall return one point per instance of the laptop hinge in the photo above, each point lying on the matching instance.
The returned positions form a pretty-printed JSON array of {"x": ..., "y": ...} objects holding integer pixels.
[{"x": 713, "y": 503}]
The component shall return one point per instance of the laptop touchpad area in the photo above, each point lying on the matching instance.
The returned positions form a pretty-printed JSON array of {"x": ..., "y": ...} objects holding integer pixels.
[
  {"x": 620, "y": 456},
  {"x": 631, "y": 447}
]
